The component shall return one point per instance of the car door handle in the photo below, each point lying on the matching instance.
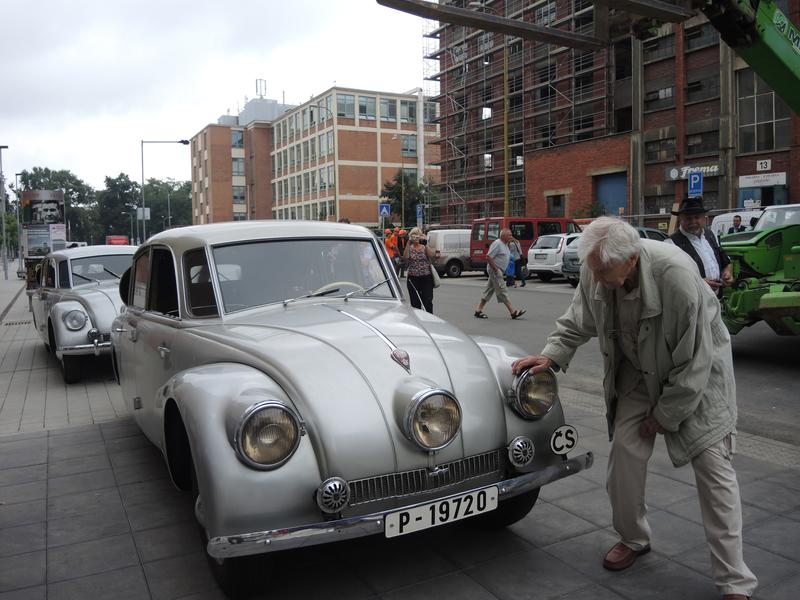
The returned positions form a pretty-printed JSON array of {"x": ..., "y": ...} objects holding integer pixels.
[
  {"x": 119, "y": 330},
  {"x": 163, "y": 351}
]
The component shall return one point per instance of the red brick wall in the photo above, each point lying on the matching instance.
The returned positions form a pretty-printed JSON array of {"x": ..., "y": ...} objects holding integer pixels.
[{"x": 571, "y": 167}]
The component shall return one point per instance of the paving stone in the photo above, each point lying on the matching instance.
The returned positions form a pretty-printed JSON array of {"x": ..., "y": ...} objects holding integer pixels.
[
  {"x": 783, "y": 590},
  {"x": 22, "y": 571},
  {"x": 148, "y": 491},
  {"x": 24, "y": 538},
  {"x": 72, "y": 430},
  {"x": 455, "y": 585},
  {"x": 662, "y": 491},
  {"x": 665, "y": 580},
  {"x": 592, "y": 592},
  {"x": 83, "y": 464},
  {"x": 90, "y": 526},
  {"x": 751, "y": 469},
  {"x": 125, "y": 444},
  {"x": 90, "y": 558},
  {"x": 778, "y": 535},
  {"x": 83, "y": 503},
  {"x": 81, "y": 482},
  {"x": 160, "y": 513},
  {"x": 122, "y": 584},
  {"x": 23, "y": 474},
  {"x": 466, "y": 544},
  {"x": 119, "y": 428},
  {"x": 547, "y": 524},
  {"x": 23, "y": 513},
  {"x": 781, "y": 498},
  {"x": 690, "y": 509},
  {"x": 179, "y": 576},
  {"x": 38, "y": 592},
  {"x": 569, "y": 486},
  {"x": 590, "y": 506},
  {"x": 533, "y": 575},
  {"x": 23, "y": 492},
  {"x": 132, "y": 457},
  {"x": 140, "y": 472},
  {"x": 597, "y": 473},
  {"x": 788, "y": 478},
  {"x": 673, "y": 535},
  {"x": 23, "y": 457},
  {"x": 76, "y": 438},
  {"x": 168, "y": 541},
  {"x": 76, "y": 451},
  {"x": 211, "y": 595}
]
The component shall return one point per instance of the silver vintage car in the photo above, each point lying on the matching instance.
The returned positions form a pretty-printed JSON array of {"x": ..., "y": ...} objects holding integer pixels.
[
  {"x": 292, "y": 389},
  {"x": 75, "y": 299}
]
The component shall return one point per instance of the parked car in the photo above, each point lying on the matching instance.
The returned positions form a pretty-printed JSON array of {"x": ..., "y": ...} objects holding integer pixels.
[
  {"x": 74, "y": 299},
  {"x": 451, "y": 247},
  {"x": 546, "y": 256},
  {"x": 571, "y": 266},
  {"x": 722, "y": 222},
  {"x": 296, "y": 394},
  {"x": 525, "y": 229}
]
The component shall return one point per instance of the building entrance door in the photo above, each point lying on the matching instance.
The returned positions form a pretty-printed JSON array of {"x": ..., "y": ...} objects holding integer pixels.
[{"x": 611, "y": 192}]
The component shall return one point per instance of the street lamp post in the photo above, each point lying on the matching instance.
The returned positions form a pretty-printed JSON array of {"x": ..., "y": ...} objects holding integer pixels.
[
  {"x": 144, "y": 222},
  {"x": 130, "y": 214},
  {"x": 3, "y": 196},
  {"x": 19, "y": 222},
  {"x": 169, "y": 212}
]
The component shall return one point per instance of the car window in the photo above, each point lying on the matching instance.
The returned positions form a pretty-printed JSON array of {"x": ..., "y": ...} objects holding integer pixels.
[
  {"x": 63, "y": 274},
  {"x": 572, "y": 239},
  {"x": 163, "y": 288},
  {"x": 547, "y": 242},
  {"x": 656, "y": 235},
  {"x": 522, "y": 230},
  {"x": 573, "y": 228},
  {"x": 141, "y": 274},
  {"x": 477, "y": 231},
  {"x": 453, "y": 242},
  {"x": 789, "y": 215},
  {"x": 50, "y": 274},
  {"x": 199, "y": 289},
  {"x": 492, "y": 231},
  {"x": 99, "y": 268},
  {"x": 256, "y": 273},
  {"x": 546, "y": 227}
]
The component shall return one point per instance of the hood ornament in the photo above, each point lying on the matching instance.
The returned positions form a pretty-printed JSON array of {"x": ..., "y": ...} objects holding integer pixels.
[{"x": 401, "y": 358}]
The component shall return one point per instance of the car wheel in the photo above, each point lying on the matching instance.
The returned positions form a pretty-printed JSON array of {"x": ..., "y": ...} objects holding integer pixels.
[
  {"x": 573, "y": 282},
  {"x": 453, "y": 269},
  {"x": 545, "y": 276},
  {"x": 508, "y": 511},
  {"x": 239, "y": 577},
  {"x": 71, "y": 368}
]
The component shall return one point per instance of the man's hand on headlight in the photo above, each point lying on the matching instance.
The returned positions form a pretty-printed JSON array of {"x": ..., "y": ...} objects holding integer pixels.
[{"x": 536, "y": 362}]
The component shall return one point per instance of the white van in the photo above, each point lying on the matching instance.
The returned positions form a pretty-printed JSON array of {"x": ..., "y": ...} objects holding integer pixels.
[
  {"x": 451, "y": 247},
  {"x": 721, "y": 223}
]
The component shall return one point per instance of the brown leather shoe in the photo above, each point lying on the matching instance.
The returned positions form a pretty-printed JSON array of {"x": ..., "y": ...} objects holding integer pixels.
[
  {"x": 735, "y": 597},
  {"x": 621, "y": 557}
]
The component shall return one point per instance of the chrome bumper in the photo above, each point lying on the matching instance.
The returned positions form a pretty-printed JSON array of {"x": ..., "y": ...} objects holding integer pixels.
[
  {"x": 97, "y": 348},
  {"x": 329, "y": 531}
]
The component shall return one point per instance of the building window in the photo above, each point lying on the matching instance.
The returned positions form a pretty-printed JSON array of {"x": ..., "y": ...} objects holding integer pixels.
[
  {"x": 659, "y": 150},
  {"x": 238, "y": 194},
  {"x": 487, "y": 162},
  {"x": 662, "y": 47},
  {"x": 545, "y": 14},
  {"x": 660, "y": 98},
  {"x": 306, "y": 183},
  {"x": 582, "y": 59},
  {"x": 366, "y": 108},
  {"x": 331, "y": 148},
  {"x": 306, "y": 119},
  {"x": 237, "y": 138},
  {"x": 763, "y": 116},
  {"x": 430, "y": 109},
  {"x": 408, "y": 145},
  {"x": 346, "y": 105},
  {"x": 655, "y": 203},
  {"x": 702, "y": 89},
  {"x": 323, "y": 178},
  {"x": 701, "y": 36},
  {"x": 388, "y": 109},
  {"x": 556, "y": 205},
  {"x": 408, "y": 111},
  {"x": 237, "y": 166},
  {"x": 702, "y": 143},
  {"x": 323, "y": 145}
]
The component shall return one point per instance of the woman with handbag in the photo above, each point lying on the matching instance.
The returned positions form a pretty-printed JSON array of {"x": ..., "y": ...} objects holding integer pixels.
[{"x": 421, "y": 274}]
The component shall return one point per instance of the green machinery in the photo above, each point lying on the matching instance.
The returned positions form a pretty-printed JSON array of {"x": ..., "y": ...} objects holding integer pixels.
[{"x": 766, "y": 270}]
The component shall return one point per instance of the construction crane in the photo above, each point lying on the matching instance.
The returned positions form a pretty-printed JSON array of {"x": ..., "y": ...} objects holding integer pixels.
[{"x": 756, "y": 30}]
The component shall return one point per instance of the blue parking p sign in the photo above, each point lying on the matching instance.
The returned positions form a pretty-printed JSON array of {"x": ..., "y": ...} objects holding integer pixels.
[{"x": 695, "y": 184}]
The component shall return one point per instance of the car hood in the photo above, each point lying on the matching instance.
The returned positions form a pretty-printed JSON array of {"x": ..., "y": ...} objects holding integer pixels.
[{"x": 334, "y": 360}]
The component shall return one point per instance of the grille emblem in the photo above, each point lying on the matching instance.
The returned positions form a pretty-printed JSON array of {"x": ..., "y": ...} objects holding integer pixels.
[{"x": 401, "y": 358}]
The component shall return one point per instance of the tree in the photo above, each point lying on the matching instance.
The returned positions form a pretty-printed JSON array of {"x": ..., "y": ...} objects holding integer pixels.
[
  {"x": 115, "y": 205},
  {"x": 170, "y": 201},
  {"x": 76, "y": 191},
  {"x": 404, "y": 189}
]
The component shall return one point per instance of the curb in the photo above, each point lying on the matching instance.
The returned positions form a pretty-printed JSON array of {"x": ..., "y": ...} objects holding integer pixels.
[{"x": 11, "y": 304}]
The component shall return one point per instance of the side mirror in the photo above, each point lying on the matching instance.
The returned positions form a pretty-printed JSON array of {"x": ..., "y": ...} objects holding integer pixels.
[{"x": 124, "y": 286}]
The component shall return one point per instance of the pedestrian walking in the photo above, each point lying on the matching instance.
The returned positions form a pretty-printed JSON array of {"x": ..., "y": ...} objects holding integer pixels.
[
  {"x": 497, "y": 260},
  {"x": 700, "y": 243},
  {"x": 515, "y": 267},
  {"x": 418, "y": 256},
  {"x": 668, "y": 370},
  {"x": 390, "y": 241}
]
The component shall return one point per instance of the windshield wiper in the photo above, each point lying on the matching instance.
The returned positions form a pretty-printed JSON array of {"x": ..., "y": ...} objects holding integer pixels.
[
  {"x": 86, "y": 278},
  {"x": 109, "y": 271},
  {"x": 366, "y": 291},
  {"x": 315, "y": 295}
]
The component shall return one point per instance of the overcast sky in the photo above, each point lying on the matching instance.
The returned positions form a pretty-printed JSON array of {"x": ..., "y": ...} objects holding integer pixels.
[{"x": 83, "y": 81}]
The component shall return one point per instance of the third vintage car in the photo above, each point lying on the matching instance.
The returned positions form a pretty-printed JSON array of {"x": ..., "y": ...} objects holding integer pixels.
[
  {"x": 74, "y": 300},
  {"x": 292, "y": 389}
]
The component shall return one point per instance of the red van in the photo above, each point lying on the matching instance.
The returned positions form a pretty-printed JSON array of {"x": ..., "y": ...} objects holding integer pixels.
[{"x": 525, "y": 229}]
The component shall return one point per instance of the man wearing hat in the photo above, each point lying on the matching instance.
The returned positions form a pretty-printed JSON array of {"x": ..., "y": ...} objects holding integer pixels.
[{"x": 700, "y": 243}]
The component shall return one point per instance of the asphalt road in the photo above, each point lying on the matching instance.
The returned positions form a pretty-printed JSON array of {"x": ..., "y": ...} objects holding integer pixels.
[{"x": 766, "y": 365}]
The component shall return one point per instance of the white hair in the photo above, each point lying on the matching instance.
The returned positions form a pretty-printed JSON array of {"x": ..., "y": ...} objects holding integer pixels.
[{"x": 610, "y": 240}]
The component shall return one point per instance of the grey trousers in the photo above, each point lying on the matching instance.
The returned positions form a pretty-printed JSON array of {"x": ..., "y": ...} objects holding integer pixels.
[{"x": 717, "y": 489}]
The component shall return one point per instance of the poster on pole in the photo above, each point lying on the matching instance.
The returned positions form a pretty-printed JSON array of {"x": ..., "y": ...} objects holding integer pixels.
[{"x": 42, "y": 207}]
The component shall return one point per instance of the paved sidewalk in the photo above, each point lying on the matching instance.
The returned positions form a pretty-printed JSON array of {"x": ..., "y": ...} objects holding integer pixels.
[{"x": 87, "y": 512}]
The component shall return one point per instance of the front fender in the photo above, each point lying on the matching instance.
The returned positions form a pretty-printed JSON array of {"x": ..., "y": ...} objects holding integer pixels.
[
  {"x": 236, "y": 498},
  {"x": 63, "y": 336}
]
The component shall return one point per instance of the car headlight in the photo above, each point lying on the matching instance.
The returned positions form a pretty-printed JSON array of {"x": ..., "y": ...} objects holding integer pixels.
[
  {"x": 433, "y": 419},
  {"x": 75, "y": 320},
  {"x": 534, "y": 395},
  {"x": 267, "y": 435}
]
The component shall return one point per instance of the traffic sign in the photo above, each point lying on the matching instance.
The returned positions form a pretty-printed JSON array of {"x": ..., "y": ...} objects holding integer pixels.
[
  {"x": 384, "y": 210},
  {"x": 420, "y": 210},
  {"x": 695, "y": 184}
]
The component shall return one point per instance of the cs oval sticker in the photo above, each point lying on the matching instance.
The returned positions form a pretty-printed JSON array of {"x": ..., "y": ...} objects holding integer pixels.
[{"x": 564, "y": 439}]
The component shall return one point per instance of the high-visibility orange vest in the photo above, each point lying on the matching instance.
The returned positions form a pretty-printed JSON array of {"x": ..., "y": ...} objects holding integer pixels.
[{"x": 391, "y": 245}]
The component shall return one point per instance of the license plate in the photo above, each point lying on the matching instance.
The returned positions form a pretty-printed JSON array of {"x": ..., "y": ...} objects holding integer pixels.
[
  {"x": 441, "y": 512},
  {"x": 540, "y": 256}
]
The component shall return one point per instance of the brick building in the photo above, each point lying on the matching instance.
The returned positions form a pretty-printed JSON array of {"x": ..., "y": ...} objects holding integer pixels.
[{"x": 615, "y": 130}]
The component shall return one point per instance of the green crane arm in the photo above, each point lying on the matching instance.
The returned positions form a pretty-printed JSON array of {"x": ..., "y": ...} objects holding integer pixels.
[{"x": 765, "y": 38}]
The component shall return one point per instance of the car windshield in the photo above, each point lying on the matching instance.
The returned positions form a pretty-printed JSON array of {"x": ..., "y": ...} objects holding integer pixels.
[
  {"x": 547, "y": 242},
  {"x": 787, "y": 215},
  {"x": 256, "y": 273},
  {"x": 99, "y": 268}
]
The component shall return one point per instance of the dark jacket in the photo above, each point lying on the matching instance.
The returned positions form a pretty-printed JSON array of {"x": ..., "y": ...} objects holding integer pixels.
[
  {"x": 682, "y": 242},
  {"x": 739, "y": 229}
]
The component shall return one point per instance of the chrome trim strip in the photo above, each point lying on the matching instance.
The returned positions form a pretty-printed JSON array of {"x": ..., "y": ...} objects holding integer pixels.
[
  {"x": 319, "y": 533},
  {"x": 96, "y": 348},
  {"x": 372, "y": 328}
]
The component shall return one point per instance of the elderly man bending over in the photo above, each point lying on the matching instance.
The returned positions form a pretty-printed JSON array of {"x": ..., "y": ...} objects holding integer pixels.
[{"x": 668, "y": 370}]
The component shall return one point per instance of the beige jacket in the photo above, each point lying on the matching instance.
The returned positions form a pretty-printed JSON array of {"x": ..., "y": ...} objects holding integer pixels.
[{"x": 684, "y": 348}]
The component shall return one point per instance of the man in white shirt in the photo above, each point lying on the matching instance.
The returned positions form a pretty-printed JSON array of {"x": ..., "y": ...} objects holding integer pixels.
[
  {"x": 700, "y": 243},
  {"x": 497, "y": 260}
]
